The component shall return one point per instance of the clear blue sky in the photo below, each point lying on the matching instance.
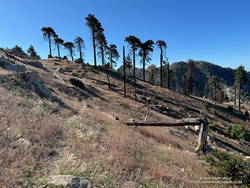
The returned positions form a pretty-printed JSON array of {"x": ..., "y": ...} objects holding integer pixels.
[{"x": 217, "y": 31}]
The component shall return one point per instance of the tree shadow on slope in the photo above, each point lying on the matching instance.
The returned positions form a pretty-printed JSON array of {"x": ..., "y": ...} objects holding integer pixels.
[
  {"x": 78, "y": 90},
  {"x": 221, "y": 108},
  {"x": 118, "y": 76},
  {"x": 34, "y": 63}
]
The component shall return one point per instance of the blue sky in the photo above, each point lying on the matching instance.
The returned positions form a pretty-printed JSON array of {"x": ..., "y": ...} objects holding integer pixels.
[{"x": 217, "y": 31}]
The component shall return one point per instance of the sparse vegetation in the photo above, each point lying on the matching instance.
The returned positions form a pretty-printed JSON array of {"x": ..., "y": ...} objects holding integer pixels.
[
  {"x": 231, "y": 166},
  {"x": 238, "y": 132}
]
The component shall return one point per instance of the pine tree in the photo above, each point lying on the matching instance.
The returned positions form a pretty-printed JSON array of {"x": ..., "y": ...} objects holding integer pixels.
[
  {"x": 240, "y": 79},
  {"x": 32, "y": 53}
]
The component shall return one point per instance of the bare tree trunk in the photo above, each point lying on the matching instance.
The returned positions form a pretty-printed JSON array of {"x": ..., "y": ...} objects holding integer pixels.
[
  {"x": 161, "y": 68},
  {"x": 235, "y": 95},
  {"x": 102, "y": 53},
  {"x": 143, "y": 70},
  {"x": 239, "y": 97},
  {"x": 109, "y": 85},
  {"x": 80, "y": 51},
  {"x": 134, "y": 73},
  {"x": 168, "y": 78},
  {"x": 202, "y": 139},
  {"x": 71, "y": 54},
  {"x": 124, "y": 72},
  {"x": 50, "y": 52},
  {"x": 94, "y": 47},
  {"x": 111, "y": 61},
  {"x": 58, "y": 50}
]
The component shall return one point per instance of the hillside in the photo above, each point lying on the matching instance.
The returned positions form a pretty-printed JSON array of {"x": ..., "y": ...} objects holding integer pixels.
[
  {"x": 202, "y": 71},
  {"x": 59, "y": 119}
]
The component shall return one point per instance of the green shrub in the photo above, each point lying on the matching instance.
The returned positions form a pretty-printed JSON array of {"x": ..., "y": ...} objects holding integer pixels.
[
  {"x": 77, "y": 83},
  {"x": 238, "y": 132},
  {"x": 231, "y": 166}
]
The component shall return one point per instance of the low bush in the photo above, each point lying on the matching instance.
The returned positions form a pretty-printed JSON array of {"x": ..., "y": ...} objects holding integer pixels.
[
  {"x": 238, "y": 132},
  {"x": 230, "y": 166}
]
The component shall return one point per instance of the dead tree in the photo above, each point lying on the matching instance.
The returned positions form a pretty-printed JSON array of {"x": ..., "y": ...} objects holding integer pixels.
[
  {"x": 202, "y": 139},
  {"x": 124, "y": 72}
]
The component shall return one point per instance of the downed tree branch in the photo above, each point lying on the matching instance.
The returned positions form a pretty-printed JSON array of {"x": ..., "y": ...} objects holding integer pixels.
[{"x": 202, "y": 138}]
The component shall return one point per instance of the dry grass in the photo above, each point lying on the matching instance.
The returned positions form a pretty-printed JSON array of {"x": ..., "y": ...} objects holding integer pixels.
[
  {"x": 86, "y": 142},
  {"x": 22, "y": 162}
]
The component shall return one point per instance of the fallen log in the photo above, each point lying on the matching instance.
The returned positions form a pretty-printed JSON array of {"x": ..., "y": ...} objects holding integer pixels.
[
  {"x": 202, "y": 138},
  {"x": 181, "y": 122}
]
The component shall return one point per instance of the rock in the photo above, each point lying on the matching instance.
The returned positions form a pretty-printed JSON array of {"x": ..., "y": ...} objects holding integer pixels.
[
  {"x": 35, "y": 83},
  {"x": 68, "y": 181},
  {"x": 115, "y": 118},
  {"x": 196, "y": 127},
  {"x": 57, "y": 76},
  {"x": 129, "y": 184},
  {"x": 87, "y": 106},
  {"x": 79, "y": 183},
  {"x": 60, "y": 180},
  {"x": 63, "y": 70},
  {"x": 22, "y": 142},
  {"x": 9, "y": 65}
]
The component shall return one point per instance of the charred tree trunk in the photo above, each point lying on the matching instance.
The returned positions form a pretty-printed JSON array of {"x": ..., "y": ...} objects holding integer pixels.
[
  {"x": 94, "y": 48},
  {"x": 124, "y": 72},
  {"x": 80, "y": 51},
  {"x": 161, "y": 72},
  {"x": 71, "y": 54},
  {"x": 168, "y": 77},
  {"x": 235, "y": 95},
  {"x": 58, "y": 50},
  {"x": 50, "y": 52},
  {"x": 239, "y": 92},
  {"x": 134, "y": 73}
]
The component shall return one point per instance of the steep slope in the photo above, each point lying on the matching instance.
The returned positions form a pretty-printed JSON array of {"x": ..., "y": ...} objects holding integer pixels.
[{"x": 60, "y": 118}]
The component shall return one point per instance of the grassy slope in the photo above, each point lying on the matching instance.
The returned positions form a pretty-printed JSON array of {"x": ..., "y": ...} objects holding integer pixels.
[{"x": 86, "y": 141}]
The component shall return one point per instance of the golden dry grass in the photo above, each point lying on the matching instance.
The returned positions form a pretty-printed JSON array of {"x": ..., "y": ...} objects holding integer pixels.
[{"x": 85, "y": 141}]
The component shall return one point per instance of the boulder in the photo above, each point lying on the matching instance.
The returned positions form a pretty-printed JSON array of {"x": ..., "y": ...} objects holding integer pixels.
[
  {"x": 35, "y": 83},
  {"x": 79, "y": 183},
  {"x": 21, "y": 142},
  {"x": 60, "y": 180},
  {"x": 68, "y": 181}
]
